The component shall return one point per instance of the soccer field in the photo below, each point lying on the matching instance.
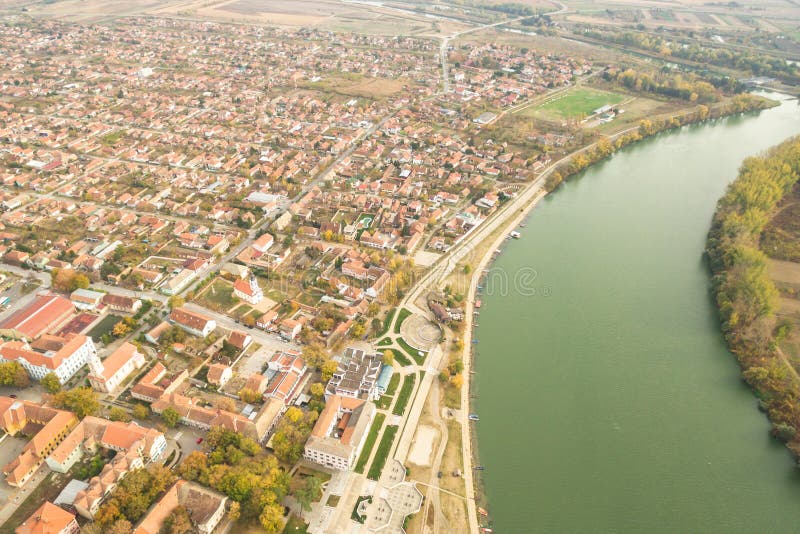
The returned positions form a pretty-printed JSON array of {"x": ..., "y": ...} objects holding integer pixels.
[{"x": 577, "y": 103}]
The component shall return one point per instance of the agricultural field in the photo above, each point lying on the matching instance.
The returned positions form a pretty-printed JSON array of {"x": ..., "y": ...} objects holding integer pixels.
[{"x": 360, "y": 86}]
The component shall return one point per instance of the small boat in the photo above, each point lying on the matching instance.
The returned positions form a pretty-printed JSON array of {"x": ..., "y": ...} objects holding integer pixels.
[
  {"x": 473, "y": 417},
  {"x": 485, "y": 529},
  {"x": 479, "y": 468},
  {"x": 474, "y": 341},
  {"x": 482, "y": 511},
  {"x": 522, "y": 225},
  {"x": 515, "y": 235}
]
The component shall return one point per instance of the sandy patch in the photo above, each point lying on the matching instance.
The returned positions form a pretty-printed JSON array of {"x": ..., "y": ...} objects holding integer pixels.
[
  {"x": 265, "y": 305},
  {"x": 785, "y": 271},
  {"x": 426, "y": 258},
  {"x": 422, "y": 449}
]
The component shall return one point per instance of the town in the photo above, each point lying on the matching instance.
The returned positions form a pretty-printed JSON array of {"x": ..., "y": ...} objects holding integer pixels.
[{"x": 238, "y": 263}]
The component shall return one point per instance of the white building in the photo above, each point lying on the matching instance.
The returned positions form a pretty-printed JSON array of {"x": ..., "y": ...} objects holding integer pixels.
[
  {"x": 58, "y": 355},
  {"x": 339, "y": 433},
  {"x": 108, "y": 374},
  {"x": 249, "y": 291},
  {"x": 194, "y": 323}
]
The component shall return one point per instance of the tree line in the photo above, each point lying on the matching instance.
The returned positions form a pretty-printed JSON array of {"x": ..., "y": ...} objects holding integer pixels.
[
  {"x": 745, "y": 295},
  {"x": 758, "y": 64}
]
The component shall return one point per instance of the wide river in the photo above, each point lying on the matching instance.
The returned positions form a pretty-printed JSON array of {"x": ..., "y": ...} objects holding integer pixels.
[{"x": 608, "y": 401}]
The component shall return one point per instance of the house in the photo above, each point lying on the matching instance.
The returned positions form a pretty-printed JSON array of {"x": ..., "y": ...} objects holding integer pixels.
[
  {"x": 154, "y": 334},
  {"x": 290, "y": 328},
  {"x": 194, "y": 323},
  {"x": 263, "y": 243},
  {"x": 205, "y": 507},
  {"x": 219, "y": 374},
  {"x": 49, "y": 519},
  {"x": 86, "y": 299},
  {"x": 240, "y": 340},
  {"x": 41, "y": 315},
  {"x": 257, "y": 383},
  {"x": 106, "y": 376},
  {"x": 286, "y": 371},
  {"x": 197, "y": 416},
  {"x": 177, "y": 283},
  {"x": 150, "y": 387},
  {"x": 339, "y": 433},
  {"x": 356, "y": 376},
  {"x": 53, "y": 426},
  {"x": 248, "y": 291},
  {"x": 135, "y": 447},
  {"x": 63, "y": 357},
  {"x": 122, "y": 303},
  {"x": 234, "y": 270}
]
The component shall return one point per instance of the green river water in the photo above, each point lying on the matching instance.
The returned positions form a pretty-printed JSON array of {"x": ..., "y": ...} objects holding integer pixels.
[{"x": 608, "y": 401}]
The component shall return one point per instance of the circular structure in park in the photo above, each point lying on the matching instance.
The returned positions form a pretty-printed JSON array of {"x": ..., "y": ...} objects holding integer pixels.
[{"x": 420, "y": 333}]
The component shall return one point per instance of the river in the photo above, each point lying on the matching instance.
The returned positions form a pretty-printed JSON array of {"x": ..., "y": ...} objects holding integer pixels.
[{"x": 608, "y": 401}]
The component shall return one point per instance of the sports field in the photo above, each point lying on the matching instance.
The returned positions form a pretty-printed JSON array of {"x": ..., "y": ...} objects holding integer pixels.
[{"x": 577, "y": 103}]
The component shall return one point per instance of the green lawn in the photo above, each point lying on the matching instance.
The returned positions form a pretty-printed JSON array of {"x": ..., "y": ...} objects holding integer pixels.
[
  {"x": 411, "y": 351},
  {"x": 402, "y": 316},
  {"x": 399, "y": 357},
  {"x": 393, "y": 383},
  {"x": 405, "y": 395},
  {"x": 385, "y": 342},
  {"x": 386, "y": 322},
  {"x": 578, "y": 103},
  {"x": 295, "y": 524},
  {"x": 219, "y": 296},
  {"x": 382, "y": 454},
  {"x": 370, "y": 442},
  {"x": 105, "y": 325}
]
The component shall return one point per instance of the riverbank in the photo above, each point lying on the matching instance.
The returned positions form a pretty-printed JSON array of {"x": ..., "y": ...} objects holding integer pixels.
[
  {"x": 746, "y": 297},
  {"x": 563, "y": 169}
]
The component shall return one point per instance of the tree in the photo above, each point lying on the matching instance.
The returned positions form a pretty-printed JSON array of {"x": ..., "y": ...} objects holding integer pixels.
[
  {"x": 81, "y": 401},
  {"x": 457, "y": 381},
  {"x": 328, "y": 368},
  {"x": 171, "y": 417},
  {"x": 317, "y": 390},
  {"x": 194, "y": 466},
  {"x": 123, "y": 526},
  {"x": 118, "y": 414},
  {"x": 309, "y": 492},
  {"x": 51, "y": 383},
  {"x": 388, "y": 357},
  {"x": 358, "y": 330},
  {"x": 67, "y": 280},
  {"x": 141, "y": 411},
  {"x": 315, "y": 355},
  {"x": 234, "y": 511},
  {"x": 177, "y": 522},
  {"x": 271, "y": 518},
  {"x": 226, "y": 404},
  {"x": 175, "y": 301},
  {"x": 120, "y": 329},
  {"x": 13, "y": 374},
  {"x": 250, "y": 396}
]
